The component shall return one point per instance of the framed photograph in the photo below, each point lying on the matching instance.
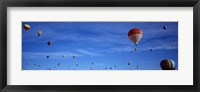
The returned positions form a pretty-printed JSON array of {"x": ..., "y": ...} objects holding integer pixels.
[{"x": 131, "y": 45}]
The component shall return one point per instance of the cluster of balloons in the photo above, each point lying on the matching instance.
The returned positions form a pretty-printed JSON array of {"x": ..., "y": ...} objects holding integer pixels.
[
  {"x": 27, "y": 27},
  {"x": 135, "y": 36},
  {"x": 39, "y": 34}
]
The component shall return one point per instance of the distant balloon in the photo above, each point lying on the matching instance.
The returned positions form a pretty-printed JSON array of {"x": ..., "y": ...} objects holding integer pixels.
[
  {"x": 74, "y": 57},
  {"x": 164, "y": 27},
  {"x": 27, "y": 27},
  {"x": 59, "y": 64},
  {"x": 63, "y": 56},
  {"x": 129, "y": 62},
  {"x": 135, "y": 35},
  {"x": 167, "y": 64},
  {"x": 77, "y": 65},
  {"x": 151, "y": 49},
  {"x": 47, "y": 56},
  {"x": 115, "y": 65},
  {"x": 39, "y": 33},
  {"x": 49, "y": 43},
  {"x": 135, "y": 49}
]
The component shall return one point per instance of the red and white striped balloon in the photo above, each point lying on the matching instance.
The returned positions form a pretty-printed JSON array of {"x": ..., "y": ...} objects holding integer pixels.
[{"x": 135, "y": 35}]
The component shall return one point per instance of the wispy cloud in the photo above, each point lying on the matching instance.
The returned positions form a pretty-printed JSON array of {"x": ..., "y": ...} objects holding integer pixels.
[
  {"x": 158, "y": 46},
  {"x": 112, "y": 38},
  {"x": 33, "y": 55},
  {"x": 86, "y": 52},
  {"x": 77, "y": 53}
]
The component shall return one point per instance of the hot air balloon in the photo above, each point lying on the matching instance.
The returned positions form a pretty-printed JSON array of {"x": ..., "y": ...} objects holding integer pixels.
[
  {"x": 39, "y": 33},
  {"x": 164, "y": 27},
  {"x": 129, "y": 62},
  {"x": 74, "y": 57},
  {"x": 151, "y": 49},
  {"x": 47, "y": 56},
  {"x": 135, "y": 49},
  {"x": 167, "y": 64},
  {"x": 59, "y": 64},
  {"x": 49, "y": 43},
  {"x": 27, "y": 27},
  {"x": 135, "y": 35}
]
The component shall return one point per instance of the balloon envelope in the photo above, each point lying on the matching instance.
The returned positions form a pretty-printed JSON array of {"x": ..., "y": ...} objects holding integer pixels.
[
  {"x": 39, "y": 33},
  {"x": 164, "y": 27},
  {"x": 74, "y": 57},
  {"x": 27, "y": 27},
  {"x": 49, "y": 43},
  {"x": 135, "y": 35},
  {"x": 167, "y": 64}
]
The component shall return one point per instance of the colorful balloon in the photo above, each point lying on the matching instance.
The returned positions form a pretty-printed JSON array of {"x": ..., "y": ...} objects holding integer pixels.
[
  {"x": 27, "y": 27},
  {"x": 39, "y": 33},
  {"x": 135, "y": 35},
  {"x": 167, "y": 64}
]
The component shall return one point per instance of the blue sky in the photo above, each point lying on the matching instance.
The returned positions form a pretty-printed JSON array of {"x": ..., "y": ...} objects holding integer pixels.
[{"x": 105, "y": 44}]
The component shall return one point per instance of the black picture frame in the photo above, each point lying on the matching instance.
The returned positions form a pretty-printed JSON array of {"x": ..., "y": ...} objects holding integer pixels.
[{"x": 99, "y": 3}]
